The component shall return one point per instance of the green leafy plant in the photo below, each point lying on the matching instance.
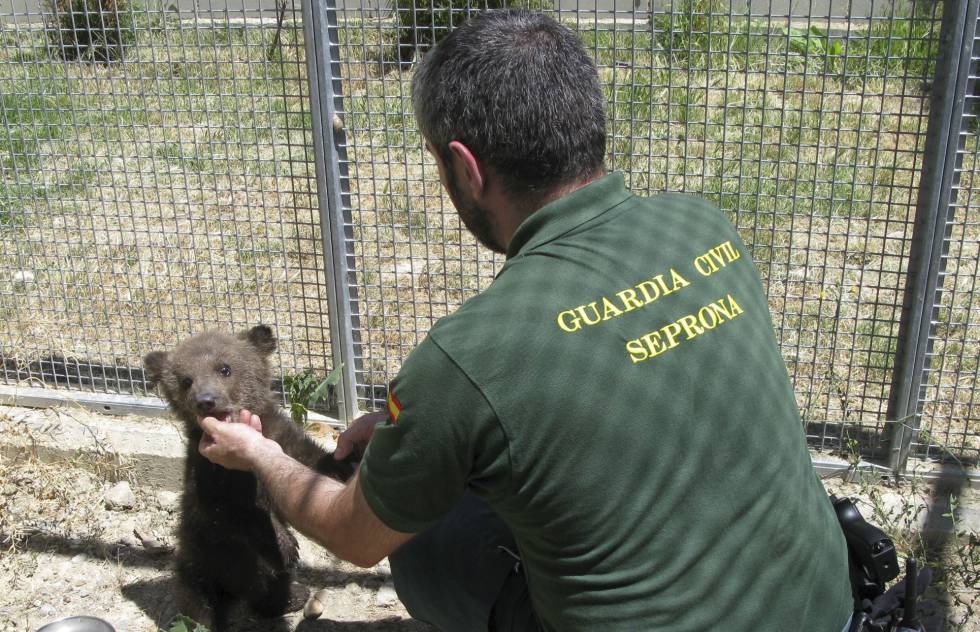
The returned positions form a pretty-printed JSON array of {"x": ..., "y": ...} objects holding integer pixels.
[
  {"x": 813, "y": 41},
  {"x": 90, "y": 30},
  {"x": 305, "y": 392},
  {"x": 182, "y": 623}
]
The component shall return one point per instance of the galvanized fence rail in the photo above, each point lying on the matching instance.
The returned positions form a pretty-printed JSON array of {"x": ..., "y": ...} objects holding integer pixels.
[{"x": 260, "y": 162}]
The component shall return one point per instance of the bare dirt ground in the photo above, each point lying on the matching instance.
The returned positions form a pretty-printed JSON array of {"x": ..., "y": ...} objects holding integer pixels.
[{"x": 72, "y": 541}]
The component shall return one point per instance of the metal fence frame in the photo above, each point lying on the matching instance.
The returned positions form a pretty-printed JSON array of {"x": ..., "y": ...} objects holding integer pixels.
[{"x": 935, "y": 213}]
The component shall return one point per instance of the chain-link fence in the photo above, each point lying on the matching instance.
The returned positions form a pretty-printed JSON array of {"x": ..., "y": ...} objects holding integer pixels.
[{"x": 174, "y": 187}]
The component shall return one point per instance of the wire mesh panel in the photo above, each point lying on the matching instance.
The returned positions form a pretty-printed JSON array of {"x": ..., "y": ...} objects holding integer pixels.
[
  {"x": 413, "y": 261},
  {"x": 948, "y": 430},
  {"x": 156, "y": 179},
  {"x": 804, "y": 121}
]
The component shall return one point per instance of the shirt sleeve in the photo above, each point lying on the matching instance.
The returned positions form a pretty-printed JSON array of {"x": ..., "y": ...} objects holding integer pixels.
[{"x": 440, "y": 436}]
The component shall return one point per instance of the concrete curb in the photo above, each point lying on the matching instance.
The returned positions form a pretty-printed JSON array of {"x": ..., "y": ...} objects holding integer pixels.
[{"x": 154, "y": 448}]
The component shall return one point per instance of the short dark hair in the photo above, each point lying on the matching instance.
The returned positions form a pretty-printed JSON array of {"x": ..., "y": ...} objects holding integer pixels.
[{"x": 521, "y": 92}]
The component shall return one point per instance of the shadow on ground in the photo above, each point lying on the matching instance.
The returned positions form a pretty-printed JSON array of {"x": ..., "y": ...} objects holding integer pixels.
[
  {"x": 385, "y": 625},
  {"x": 155, "y": 596},
  {"x": 939, "y": 542}
]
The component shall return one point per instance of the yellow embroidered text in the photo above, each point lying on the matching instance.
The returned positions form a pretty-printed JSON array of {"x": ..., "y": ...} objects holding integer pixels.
[
  {"x": 716, "y": 258},
  {"x": 683, "y": 329},
  {"x": 627, "y": 300}
]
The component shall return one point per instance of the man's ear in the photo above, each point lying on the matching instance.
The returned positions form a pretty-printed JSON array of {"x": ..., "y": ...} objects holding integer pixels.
[
  {"x": 262, "y": 338},
  {"x": 468, "y": 166},
  {"x": 154, "y": 365}
]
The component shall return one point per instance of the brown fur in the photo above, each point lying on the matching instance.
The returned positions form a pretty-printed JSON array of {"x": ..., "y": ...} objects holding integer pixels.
[{"x": 232, "y": 542}]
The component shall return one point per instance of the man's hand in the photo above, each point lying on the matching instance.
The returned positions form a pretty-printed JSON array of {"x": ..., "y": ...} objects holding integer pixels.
[
  {"x": 235, "y": 445},
  {"x": 355, "y": 439}
]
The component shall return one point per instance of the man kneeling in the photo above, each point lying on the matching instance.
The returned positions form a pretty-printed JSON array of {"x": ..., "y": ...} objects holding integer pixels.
[{"x": 606, "y": 438}]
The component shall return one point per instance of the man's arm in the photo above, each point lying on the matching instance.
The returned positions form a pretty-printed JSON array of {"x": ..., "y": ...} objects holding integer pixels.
[{"x": 333, "y": 513}]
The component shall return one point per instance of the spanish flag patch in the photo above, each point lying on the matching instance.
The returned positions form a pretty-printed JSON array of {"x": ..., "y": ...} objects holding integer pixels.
[{"x": 394, "y": 407}]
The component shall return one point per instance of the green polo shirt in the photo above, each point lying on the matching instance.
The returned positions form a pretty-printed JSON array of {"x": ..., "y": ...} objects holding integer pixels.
[{"x": 618, "y": 396}]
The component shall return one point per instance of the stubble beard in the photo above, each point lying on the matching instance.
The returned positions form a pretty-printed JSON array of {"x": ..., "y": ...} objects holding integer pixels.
[{"x": 474, "y": 217}]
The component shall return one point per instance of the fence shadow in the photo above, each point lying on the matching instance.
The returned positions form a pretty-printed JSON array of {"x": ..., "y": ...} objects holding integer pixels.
[
  {"x": 394, "y": 624},
  {"x": 939, "y": 538},
  {"x": 147, "y": 595},
  {"x": 118, "y": 553}
]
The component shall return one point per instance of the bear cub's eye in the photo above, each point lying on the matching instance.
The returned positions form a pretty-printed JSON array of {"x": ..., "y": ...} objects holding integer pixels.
[
  {"x": 225, "y": 370},
  {"x": 185, "y": 382}
]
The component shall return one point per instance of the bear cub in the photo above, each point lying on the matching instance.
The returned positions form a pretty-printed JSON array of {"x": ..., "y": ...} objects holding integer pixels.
[{"x": 232, "y": 542}]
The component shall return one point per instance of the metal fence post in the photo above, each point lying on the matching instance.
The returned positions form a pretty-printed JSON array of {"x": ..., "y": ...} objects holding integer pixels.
[
  {"x": 935, "y": 207},
  {"x": 323, "y": 69}
]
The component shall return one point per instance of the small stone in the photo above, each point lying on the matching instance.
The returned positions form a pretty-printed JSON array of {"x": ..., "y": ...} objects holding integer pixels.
[
  {"x": 78, "y": 559},
  {"x": 153, "y": 543},
  {"x": 120, "y": 496},
  {"x": 23, "y": 276},
  {"x": 314, "y": 606},
  {"x": 130, "y": 541},
  {"x": 386, "y": 595},
  {"x": 351, "y": 588},
  {"x": 168, "y": 501}
]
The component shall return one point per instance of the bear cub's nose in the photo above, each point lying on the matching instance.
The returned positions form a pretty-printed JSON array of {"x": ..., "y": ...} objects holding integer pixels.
[{"x": 205, "y": 402}]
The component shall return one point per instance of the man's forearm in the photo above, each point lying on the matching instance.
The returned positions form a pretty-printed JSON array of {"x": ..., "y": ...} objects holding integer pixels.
[
  {"x": 310, "y": 502},
  {"x": 334, "y": 514}
]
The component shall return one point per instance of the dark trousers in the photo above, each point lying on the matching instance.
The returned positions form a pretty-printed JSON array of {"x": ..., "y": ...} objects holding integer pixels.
[{"x": 463, "y": 574}]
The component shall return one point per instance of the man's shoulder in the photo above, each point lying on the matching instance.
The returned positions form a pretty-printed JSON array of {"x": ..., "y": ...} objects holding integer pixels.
[
  {"x": 493, "y": 322},
  {"x": 682, "y": 202},
  {"x": 476, "y": 319},
  {"x": 448, "y": 338}
]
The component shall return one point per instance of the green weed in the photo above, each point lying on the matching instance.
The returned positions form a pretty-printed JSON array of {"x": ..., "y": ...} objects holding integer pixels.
[
  {"x": 182, "y": 623},
  {"x": 305, "y": 392}
]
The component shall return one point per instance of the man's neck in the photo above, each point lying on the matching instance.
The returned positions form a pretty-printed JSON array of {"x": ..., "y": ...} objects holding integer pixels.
[
  {"x": 509, "y": 220},
  {"x": 570, "y": 187}
]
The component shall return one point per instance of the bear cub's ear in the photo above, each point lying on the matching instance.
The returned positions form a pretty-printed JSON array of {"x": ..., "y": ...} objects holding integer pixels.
[
  {"x": 154, "y": 365},
  {"x": 262, "y": 338}
]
